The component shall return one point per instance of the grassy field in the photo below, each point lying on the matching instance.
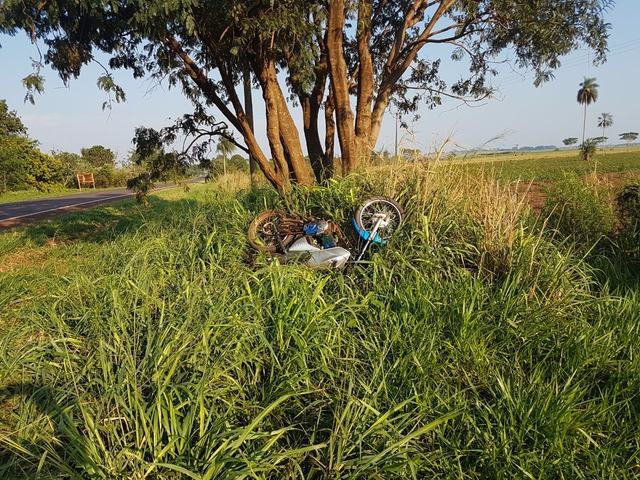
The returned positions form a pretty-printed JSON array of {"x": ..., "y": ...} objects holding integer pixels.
[
  {"x": 22, "y": 195},
  {"x": 622, "y": 162},
  {"x": 481, "y": 343}
]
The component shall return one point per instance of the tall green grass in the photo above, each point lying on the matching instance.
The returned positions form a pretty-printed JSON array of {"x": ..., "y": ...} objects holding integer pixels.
[{"x": 473, "y": 346}]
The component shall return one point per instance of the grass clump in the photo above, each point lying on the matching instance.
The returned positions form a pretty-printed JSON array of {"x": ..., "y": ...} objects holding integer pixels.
[
  {"x": 471, "y": 347},
  {"x": 579, "y": 211}
]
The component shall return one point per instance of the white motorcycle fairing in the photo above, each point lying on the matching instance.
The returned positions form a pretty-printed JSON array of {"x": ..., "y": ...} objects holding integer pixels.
[{"x": 302, "y": 250}]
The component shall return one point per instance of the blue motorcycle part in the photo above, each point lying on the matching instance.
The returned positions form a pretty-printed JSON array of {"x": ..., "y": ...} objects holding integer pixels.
[{"x": 365, "y": 235}]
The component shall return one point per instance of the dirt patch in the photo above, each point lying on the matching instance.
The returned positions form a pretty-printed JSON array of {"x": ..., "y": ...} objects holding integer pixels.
[
  {"x": 27, "y": 258},
  {"x": 30, "y": 258}
]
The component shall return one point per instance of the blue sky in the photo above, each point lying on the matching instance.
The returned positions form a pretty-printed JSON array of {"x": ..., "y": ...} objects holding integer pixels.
[{"x": 70, "y": 118}]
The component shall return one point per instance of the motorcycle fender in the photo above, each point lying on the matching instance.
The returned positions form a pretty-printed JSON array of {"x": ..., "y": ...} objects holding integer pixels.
[
  {"x": 365, "y": 235},
  {"x": 334, "y": 257}
]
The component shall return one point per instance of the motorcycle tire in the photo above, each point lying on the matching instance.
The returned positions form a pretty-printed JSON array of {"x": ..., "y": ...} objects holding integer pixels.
[
  {"x": 263, "y": 232},
  {"x": 365, "y": 216}
]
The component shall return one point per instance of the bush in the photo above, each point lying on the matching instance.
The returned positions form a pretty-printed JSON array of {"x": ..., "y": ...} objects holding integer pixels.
[
  {"x": 46, "y": 173},
  {"x": 579, "y": 212}
]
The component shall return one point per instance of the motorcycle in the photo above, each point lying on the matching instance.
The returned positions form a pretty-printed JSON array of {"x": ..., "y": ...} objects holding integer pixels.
[{"x": 321, "y": 243}]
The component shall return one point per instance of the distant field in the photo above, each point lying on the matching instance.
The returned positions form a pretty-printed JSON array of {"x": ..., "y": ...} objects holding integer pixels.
[{"x": 510, "y": 166}]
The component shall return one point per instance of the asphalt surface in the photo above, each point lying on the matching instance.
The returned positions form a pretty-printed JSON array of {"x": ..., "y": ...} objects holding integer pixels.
[{"x": 21, "y": 213}]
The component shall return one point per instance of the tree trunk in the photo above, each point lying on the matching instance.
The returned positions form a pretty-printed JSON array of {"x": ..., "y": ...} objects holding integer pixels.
[
  {"x": 248, "y": 108},
  {"x": 330, "y": 133},
  {"x": 290, "y": 138},
  {"x": 584, "y": 122},
  {"x": 239, "y": 120},
  {"x": 282, "y": 133},
  {"x": 310, "y": 113},
  {"x": 340, "y": 86}
]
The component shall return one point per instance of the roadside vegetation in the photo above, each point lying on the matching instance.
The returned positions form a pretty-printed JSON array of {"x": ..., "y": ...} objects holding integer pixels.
[{"x": 486, "y": 341}]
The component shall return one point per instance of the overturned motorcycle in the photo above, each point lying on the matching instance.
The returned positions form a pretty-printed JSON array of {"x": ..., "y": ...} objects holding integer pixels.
[{"x": 318, "y": 242}]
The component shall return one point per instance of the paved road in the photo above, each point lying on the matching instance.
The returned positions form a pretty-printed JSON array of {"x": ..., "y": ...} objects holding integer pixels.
[{"x": 20, "y": 213}]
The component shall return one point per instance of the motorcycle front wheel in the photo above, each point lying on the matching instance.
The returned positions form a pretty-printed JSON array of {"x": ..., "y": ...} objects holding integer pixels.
[
  {"x": 264, "y": 232},
  {"x": 380, "y": 209}
]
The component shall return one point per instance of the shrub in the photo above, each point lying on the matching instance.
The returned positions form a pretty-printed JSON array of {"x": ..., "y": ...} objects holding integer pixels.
[
  {"x": 579, "y": 212},
  {"x": 141, "y": 185},
  {"x": 45, "y": 172}
]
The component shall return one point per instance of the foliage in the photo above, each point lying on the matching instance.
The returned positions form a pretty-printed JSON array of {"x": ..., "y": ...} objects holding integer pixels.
[
  {"x": 225, "y": 147},
  {"x": 109, "y": 176},
  {"x": 14, "y": 151},
  {"x": 157, "y": 165},
  {"x": 10, "y": 123},
  {"x": 579, "y": 212},
  {"x": 98, "y": 156},
  {"x": 141, "y": 184},
  {"x": 629, "y": 137},
  {"x": 45, "y": 173},
  {"x": 588, "y": 148},
  {"x": 237, "y": 163},
  {"x": 570, "y": 141},
  {"x": 604, "y": 121},
  {"x": 23, "y": 166},
  {"x": 587, "y": 94},
  {"x": 72, "y": 164},
  {"x": 344, "y": 60},
  {"x": 152, "y": 344}
]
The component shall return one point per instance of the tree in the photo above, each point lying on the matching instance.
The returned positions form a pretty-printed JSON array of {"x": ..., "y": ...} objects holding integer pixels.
[
  {"x": 629, "y": 137},
  {"x": 588, "y": 148},
  {"x": 237, "y": 163},
  {"x": 14, "y": 148},
  {"x": 72, "y": 165},
  {"x": 587, "y": 94},
  {"x": 570, "y": 141},
  {"x": 605, "y": 121},
  {"x": 225, "y": 148},
  {"x": 346, "y": 60},
  {"x": 24, "y": 166},
  {"x": 98, "y": 156},
  {"x": 10, "y": 123},
  {"x": 45, "y": 172}
]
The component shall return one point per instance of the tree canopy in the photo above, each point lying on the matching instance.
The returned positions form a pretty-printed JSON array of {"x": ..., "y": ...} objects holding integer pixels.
[
  {"x": 98, "y": 156},
  {"x": 341, "y": 60},
  {"x": 587, "y": 94},
  {"x": 629, "y": 137},
  {"x": 10, "y": 122}
]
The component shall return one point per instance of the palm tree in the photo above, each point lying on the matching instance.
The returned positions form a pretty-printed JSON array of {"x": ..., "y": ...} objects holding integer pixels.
[
  {"x": 605, "y": 121},
  {"x": 587, "y": 94},
  {"x": 225, "y": 147}
]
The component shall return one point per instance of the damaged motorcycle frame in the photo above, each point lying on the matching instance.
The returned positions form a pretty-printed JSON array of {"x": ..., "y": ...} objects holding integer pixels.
[{"x": 321, "y": 243}]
